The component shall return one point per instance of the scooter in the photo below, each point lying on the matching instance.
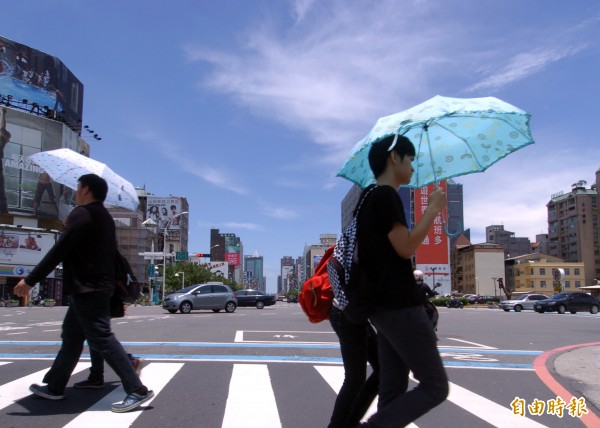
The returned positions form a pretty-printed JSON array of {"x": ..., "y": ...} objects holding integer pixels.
[
  {"x": 36, "y": 301},
  {"x": 430, "y": 308},
  {"x": 454, "y": 303}
]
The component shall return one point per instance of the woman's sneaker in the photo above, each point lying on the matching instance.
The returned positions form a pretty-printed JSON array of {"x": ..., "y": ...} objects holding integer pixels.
[{"x": 132, "y": 401}]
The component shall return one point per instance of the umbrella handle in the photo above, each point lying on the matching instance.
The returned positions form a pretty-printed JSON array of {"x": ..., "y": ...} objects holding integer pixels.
[{"x": 451, "y": 234}]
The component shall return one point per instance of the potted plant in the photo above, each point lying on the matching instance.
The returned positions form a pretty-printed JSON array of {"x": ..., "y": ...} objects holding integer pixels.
[
  {"x": 11, "y": 303},
  {"x": 49, "y": 302}
]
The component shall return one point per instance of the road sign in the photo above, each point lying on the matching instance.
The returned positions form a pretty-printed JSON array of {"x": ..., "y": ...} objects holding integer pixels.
[{"x": 181, "y": 255}]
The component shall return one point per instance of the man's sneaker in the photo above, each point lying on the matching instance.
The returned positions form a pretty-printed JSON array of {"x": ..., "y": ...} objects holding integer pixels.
[
  {"x": 45, "y": 392},
  {"x": 89, "y": 384},
  {"x": 132, "y": 401},
  {"x": 138, "y": 365}
]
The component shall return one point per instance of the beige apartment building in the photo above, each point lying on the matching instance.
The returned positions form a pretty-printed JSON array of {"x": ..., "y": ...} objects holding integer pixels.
[
  {"x": 477, "y": 268},
  {"x": 532, "y": 273}
]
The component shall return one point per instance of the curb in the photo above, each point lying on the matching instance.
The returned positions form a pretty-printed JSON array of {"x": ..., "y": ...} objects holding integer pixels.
[{"x": 540, "y": 364}]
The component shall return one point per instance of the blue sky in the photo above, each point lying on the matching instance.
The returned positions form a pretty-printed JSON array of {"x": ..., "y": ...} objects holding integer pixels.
[{"x": 248, "y": 108}]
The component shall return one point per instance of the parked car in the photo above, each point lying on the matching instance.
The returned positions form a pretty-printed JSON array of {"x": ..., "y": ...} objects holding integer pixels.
[
  {"x": 485, "y": 299},
  {"x": 212, "y": 295},
  {"x": 572, "y": 302},
  {"x": 292, "y": 299},
  {"x": 257, "y": 298},
  {"x": 524, "y": 301}
]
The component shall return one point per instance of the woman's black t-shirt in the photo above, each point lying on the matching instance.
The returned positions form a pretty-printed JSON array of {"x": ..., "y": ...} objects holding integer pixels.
[{"x": 391, "y": 275}]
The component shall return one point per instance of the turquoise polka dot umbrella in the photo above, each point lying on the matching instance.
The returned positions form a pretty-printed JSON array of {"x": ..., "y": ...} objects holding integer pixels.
[
  {"x": 65, "y": 166},
  {"x": 452, "y": 137}
]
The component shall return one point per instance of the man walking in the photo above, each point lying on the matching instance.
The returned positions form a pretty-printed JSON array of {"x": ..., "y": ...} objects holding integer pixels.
[{"x": 87, "y": 250}]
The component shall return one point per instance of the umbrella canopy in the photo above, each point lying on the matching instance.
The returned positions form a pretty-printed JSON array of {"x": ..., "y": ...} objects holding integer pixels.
[
  {"x": 66, "y": 166},
  {"x": 452, "y": 137}
]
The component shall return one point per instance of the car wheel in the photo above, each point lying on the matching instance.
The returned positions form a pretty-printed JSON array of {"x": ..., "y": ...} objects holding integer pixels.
[
  {"x": 518, "y": 308},
  {"x": 230, "y": 307},
  {"x": 541, "y": 311},
  {"x": 216, "y": 310},
  {"x": 594, "y": 309},
  {"x": 562, "y": 309},
  {"x": 172, "y": 311},
  {"x": 506, "y": 310},
  {"x": 185, "y": 307},
  {"x": 260, "y": 304}
]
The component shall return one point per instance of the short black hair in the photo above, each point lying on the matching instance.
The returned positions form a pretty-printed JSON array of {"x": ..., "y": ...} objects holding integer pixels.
[
  {"x": 96, "y": 184},
  {"x": 381, "y": 150}
]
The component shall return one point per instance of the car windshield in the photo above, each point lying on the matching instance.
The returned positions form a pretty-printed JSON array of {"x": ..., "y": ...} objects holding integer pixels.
[
  {"x": 559, "y": 296},
  {"x": 522, "y": 297}
]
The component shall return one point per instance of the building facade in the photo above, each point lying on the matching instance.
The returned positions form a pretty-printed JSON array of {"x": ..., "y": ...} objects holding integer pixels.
[
  {"x": 573, "y": 228},
  {"x": 254, "y": 269},
  {"x": 477, "y": 268},
  {"x": 533, "y": 273},
  {"x": 513, "y": 246},
  {"x": 228, "y": 247}
]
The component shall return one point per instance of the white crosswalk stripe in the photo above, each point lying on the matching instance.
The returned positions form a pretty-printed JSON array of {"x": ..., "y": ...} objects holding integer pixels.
[
  {"x": 251, "y": 389},
  {"x": 250, "y": 400},
  {"x": 155, "y": 376},
  {"x": 18, "y": 389}
]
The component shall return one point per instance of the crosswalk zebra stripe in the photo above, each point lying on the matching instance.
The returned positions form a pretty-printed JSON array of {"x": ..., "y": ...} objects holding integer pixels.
[
  {"x": 155, "y": 376},
  {"x": 334, "y": 376},
  {"x": 483, "y": 408},
  {"x": 18, "y": 389},
  {"x": 250, "y": 389}
]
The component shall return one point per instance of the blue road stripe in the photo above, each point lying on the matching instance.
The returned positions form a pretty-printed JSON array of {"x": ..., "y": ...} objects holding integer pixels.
[
  {"x": 270, "y": 358},
  {"x": 270, "y": 345}
]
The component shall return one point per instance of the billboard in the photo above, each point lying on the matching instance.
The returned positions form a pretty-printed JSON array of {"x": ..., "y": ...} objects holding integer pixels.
[
  {"x": 432, "y": 256},
  {"x": 163, "y": 210},
  {"x": 232, "y": 251},
  {"x": 42, "y": 80},
  {"x": 20, "y": 251}
]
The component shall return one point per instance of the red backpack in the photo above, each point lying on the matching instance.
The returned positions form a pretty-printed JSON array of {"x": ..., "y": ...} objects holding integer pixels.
[{"x": 316, "y": 296}]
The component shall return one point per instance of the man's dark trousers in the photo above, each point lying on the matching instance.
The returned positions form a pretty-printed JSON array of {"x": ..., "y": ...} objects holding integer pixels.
[{"x": 88, "y": 318}]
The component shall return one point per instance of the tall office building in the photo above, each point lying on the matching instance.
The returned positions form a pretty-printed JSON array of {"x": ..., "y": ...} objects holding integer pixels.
[
  {"x": 253, "y": 266},
  {"x": 288, "y": 279},
  {"x": 456, "y": 220},
  {"x": 573, "y": 227},
  {"x": 513, "y": 246},
  {"x": 227, "y": 247}
]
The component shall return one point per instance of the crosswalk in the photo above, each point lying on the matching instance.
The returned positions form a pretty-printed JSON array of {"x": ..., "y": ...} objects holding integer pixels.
[{"x": 250, "y": 396}]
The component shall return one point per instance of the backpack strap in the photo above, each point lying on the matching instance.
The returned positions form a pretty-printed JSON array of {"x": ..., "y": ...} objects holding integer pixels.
[{"x": 363, "y": 198}]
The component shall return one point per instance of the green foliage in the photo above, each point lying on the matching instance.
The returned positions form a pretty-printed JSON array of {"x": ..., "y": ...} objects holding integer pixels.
[
  {"x": 193, "y": 274},
  {"x": 442, "y": 301}
]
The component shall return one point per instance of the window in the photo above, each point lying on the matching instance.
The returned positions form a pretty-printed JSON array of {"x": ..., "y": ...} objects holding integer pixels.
[
  {"x": 219, "y": 289},
  {"x": 206, "y": 289},
  {"x": 542, "y": 271},
  {"x": 567, "y": 271},
  {"x": 576, "y": 271},
  {"x": 542, "y": 284},
  {"x": 577, "y": 284},
  {"x": 567, "y": 284}
]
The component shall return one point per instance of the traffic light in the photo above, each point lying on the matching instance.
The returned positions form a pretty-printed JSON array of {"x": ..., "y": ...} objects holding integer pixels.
[
  {"x": 500, "y": 283},
  {"x": 202, "y": 255},
  {"x": 155, "y": 270}
]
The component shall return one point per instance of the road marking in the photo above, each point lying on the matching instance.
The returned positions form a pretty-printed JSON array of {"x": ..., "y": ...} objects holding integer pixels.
[
  {"x": 18, "y": 389},
  {"x": 251, "y": 400},
  {"x": 154, "y": 376},
  {"x": 475, "y": 345},
  {"x": 481, "y": 407},
  {"x": 334, "y": 376}
]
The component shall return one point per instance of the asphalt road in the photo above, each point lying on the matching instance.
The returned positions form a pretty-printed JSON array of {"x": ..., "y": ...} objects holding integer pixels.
[{"x": 271, "y": 368}]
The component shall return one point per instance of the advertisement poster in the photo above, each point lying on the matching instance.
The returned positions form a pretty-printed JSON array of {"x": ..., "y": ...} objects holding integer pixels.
[
  {"x": 232, "y": 251},
  {"x": 163, "y": 210},
  {"x": 20, "y": 252},
  {"x": 432, "y": 256},
  {"x": 41, "y": 79}
]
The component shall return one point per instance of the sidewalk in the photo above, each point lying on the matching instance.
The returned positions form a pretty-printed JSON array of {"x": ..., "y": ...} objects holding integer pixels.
[{"x": 579, "y": 368}]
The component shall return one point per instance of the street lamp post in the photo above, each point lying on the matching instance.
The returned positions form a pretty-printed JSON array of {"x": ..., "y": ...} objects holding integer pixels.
[
  {"x": 494, "y": 280},
  {"x": 182, "y": 279},
  {"x": 433, "y": 269},
  {"x": 164, "y": 276}
]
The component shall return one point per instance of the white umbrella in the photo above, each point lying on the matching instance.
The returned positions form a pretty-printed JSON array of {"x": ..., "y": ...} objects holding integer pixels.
[{"x": 66, "y": 166}]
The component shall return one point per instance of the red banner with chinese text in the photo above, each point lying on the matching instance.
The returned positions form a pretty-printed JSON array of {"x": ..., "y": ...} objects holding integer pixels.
[{"x": 434, "y": 249}]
